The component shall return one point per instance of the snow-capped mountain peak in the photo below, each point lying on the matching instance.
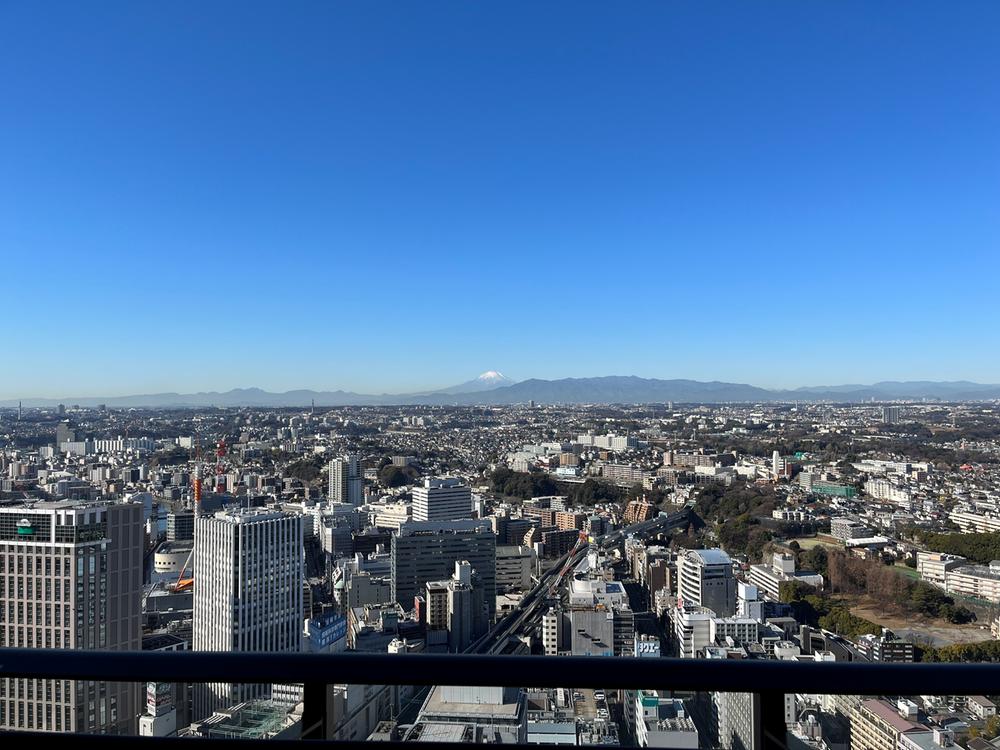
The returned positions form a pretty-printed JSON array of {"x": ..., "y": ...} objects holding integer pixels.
[{"x": 488, "y": 381}]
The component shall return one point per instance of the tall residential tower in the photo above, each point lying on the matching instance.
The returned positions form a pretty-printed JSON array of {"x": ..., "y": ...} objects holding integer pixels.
[{"x": 346, "y": 481}]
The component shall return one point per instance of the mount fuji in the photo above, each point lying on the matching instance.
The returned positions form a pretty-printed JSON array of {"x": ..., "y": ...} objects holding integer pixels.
[{"x": 488, "y": 381}]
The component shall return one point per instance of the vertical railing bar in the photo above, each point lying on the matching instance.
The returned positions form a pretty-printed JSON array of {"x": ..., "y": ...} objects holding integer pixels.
[
  {"x": 773, "y": 727},
  {"x": 314, "y": 709}
]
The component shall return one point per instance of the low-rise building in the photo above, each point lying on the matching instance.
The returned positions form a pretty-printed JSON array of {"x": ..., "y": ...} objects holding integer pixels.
[
  {"x": 662, "y": 721},
  {"x": 877, "y": 725},
  {"x": 885, "y": 647},
  {"x": 768, "y": 578}
]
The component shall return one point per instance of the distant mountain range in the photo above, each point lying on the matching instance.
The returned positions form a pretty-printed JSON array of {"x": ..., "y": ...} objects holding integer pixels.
[
  {"x": 488, "y": 381},
  {"x": 493, "y": 388}
]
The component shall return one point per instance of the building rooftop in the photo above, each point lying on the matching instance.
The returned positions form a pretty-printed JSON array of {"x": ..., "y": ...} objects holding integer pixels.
[
  {"x": 435, "y": 705},
  {"x": 250, "y": 720},
  {"x": 441, "y": 731},
  {"x": 161, "y": 641},
  {"x": 888, "y": 714},
  {"x": 979, "y": 571},
  {"x": 181, "y": 545},
  {"x": 713, "y": 556}
]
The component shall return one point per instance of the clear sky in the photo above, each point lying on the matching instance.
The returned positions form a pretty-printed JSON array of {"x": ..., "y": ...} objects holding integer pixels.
[{"x": 394, "y": 196}]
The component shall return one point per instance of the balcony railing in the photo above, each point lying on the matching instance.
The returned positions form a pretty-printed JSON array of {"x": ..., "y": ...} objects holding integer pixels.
[{"x": 770, "y": 679}]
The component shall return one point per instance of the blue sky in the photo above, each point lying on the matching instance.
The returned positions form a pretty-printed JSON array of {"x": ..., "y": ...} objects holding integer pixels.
[{"x": 394, "y": 196}]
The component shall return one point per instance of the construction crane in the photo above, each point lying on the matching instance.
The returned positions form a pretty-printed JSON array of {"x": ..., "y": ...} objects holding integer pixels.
[
  {"x": 583, "y": 540},
  {"x": 196, "y": 485},
  {"x": 182, "y": 583},
  {"x": 196, "y": 477},
  {"x": 220, "y": 453}
]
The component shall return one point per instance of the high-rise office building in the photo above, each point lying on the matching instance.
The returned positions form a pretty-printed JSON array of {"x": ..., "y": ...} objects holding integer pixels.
[
  {"x": 248, "y": 593},
  {"x": 446, "y": 499},
  {"x": 705, "y": 578},
  {"x": 70, "y": 577},
  {"x": 428, "y": 552},
  {"x": 346, "y": 481},
  {"x": 891, "y": 414}
]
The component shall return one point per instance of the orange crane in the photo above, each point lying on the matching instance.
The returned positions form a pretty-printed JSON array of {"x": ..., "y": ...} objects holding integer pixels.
[{"x": 182, "y": 583}]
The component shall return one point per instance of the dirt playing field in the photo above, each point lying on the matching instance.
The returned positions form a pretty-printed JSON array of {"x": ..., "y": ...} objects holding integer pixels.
[
  {"x": 937, "y": 632},
  {"x": 821, "y": 540}
]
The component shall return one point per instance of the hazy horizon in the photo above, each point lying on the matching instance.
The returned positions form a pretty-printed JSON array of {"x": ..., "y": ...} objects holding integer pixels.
[{"x": 438, "y": 388}]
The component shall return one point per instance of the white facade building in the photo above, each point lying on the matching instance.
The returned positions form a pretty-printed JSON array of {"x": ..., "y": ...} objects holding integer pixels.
[
  {"x": 248, "y": 596},
  {"x": 705, "y": 577},
  {"x": 692, "y": 630},
  {"x": 445, "y": 499}
]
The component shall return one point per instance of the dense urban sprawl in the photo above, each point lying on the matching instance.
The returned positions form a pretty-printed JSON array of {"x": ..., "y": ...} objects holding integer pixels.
[{"x": 802, "y": 532}]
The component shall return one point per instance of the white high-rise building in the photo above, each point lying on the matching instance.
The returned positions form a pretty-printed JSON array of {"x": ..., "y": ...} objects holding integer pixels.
[
  {"x": 346, "y": 481},
  {"x": 705, "y": 577},
  {"x": 442, "y": 500},
  {"x": 248, "y": 593}
]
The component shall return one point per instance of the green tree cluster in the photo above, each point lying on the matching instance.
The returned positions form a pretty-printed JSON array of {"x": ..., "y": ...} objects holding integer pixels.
[
  {"x": 593, "y": 491},
  {"x": 735, "y": 511},
  {"x": 812, "y": 607},
  {"x": 981, "y": 548},
  {"x": 521, "y": 484},
  {"x": 306, "y": 469},
  {"x": 889, "y": 590},
  {"x": 743, "y": 534},
  {"x": 963, "y": 652},
  {"x": 397, "y": 476},
  {"x": 814, "y": 559},
  {"x": 716, "y": 502}
]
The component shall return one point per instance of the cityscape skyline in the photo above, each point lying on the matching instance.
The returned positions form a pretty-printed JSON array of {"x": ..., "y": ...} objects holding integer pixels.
[
  {"x": 749, "y": 532},
  {"x": 780, "y": 195}
]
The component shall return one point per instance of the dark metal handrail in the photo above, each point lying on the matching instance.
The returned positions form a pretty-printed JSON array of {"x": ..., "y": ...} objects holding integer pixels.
[
  {"x": 769, "y": 678},
  {"x": 740, "y": 675}
]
